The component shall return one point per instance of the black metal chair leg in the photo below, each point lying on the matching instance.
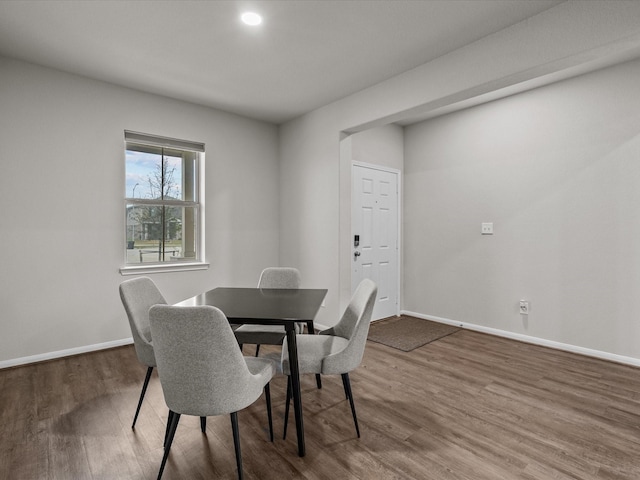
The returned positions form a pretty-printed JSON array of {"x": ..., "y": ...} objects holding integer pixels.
[
  {"x": 267, "y": 395},
  {"x": 257, "y": 350},
  {"x": 286, "y": 408},
  {"x": 318, "y": 381},
  {"x": 203, "y": 424},
  {"x": 236, "y": 443},
  {"x": 144, "y": 390},
  {"x": 175, "y": 418},
  {"x": 166, "y": 433},
  {"x": 346, "y": 389},
  {"x": 347, "y": 386}
]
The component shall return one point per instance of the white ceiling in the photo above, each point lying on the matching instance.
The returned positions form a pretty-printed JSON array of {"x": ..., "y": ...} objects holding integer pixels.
[{"x": 305, "y": 54}]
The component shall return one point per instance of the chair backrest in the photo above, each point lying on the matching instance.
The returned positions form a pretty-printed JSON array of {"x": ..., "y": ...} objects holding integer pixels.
[
  {"x": 138, "y": 295},
  {"x": 279, "y": 277},
  {"x": 354, "y": 326},
  {"x": 202, "y": 370}
]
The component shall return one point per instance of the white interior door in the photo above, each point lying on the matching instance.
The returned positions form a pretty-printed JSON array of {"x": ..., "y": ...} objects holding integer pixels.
[{"x": 374, "y": 234}]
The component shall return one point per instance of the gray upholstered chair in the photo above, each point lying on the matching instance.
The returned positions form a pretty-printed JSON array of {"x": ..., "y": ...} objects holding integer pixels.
[
  {"x": 138, "y": 296},
  {"x": 202, "y": 370},
  {"x": 339, "y": 349},
  {"x": 272, "y": 277}
]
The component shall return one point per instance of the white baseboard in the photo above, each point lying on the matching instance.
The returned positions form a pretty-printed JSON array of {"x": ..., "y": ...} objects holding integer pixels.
[
  {"x": 612, "y": 357},
  {"x": 64, "y": 353},
  {"x": 469, "y": 326}
]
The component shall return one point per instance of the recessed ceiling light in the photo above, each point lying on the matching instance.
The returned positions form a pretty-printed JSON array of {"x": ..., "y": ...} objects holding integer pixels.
[{"x": 251, "y": 18}]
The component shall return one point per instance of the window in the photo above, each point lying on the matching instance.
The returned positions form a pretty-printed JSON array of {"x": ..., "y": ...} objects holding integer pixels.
[{"x": 162, "y": 201}]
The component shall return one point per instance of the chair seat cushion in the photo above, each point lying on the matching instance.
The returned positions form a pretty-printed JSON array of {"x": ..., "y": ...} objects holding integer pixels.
[
  {"x": 263, "y": 334},
  {"x": 312, "y": 350},
  {"x": 260, "y": 334}
]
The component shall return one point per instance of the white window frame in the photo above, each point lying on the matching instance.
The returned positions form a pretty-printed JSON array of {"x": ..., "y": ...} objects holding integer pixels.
[{"x": 200, "y": 262}]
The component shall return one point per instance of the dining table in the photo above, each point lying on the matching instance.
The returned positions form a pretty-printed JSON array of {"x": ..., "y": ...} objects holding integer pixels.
[{"x": 270, "y": 306}]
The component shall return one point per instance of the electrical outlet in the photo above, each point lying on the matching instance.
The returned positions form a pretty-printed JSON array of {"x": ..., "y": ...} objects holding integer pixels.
[
  {"x": 487, "y": 229},
  {"x": 524, "y": 307}
]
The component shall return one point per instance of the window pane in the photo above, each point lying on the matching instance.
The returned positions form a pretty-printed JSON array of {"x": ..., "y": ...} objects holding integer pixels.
[
  {"x": 143, "y": 167},
  {"x": 188, "y": 176},
  {"x": 170, "y": 176},
  {"x": 189, "y": 233},
  {"x": 144, "y": 233},
  {"x": 161, "y": 234},
  {"x": 155, "y": 173}
]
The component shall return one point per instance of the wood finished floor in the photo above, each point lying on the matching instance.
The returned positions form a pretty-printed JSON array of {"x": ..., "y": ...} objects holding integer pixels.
[{"x": 469, "y": 406}]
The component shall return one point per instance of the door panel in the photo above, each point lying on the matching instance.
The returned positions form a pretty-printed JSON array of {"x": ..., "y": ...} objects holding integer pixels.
[{"x": 375, "y": 221}]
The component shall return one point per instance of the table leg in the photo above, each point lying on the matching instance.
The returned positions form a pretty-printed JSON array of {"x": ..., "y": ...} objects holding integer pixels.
[{"x": 295, "y": 386}]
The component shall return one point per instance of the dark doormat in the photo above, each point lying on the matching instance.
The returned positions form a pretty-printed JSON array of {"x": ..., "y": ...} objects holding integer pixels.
[{"x": 408, "y": 333}]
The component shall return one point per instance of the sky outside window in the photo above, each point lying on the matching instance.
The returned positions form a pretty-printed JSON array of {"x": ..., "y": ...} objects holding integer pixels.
[{"x": 143, "y": 174}]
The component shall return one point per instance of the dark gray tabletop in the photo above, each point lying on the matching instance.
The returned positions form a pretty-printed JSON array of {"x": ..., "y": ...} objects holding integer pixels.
[{"x": 262, "y": 305}]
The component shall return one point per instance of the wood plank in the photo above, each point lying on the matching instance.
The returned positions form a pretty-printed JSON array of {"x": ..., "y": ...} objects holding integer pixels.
[{"x": 468, "y": 406}]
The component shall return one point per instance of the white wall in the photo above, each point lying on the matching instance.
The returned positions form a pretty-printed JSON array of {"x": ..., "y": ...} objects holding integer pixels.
[
  {"x": 62, "y": 219},
  {"x": 50, "y": 291},
  {"x": 315, "y": 181},
  {"x": 556, "y": 169},
  {"x": 382, "y": 146}
]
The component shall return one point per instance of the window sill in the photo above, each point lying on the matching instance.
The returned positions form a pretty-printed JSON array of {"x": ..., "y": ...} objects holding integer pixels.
[{"x": 161, "y": 268}]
